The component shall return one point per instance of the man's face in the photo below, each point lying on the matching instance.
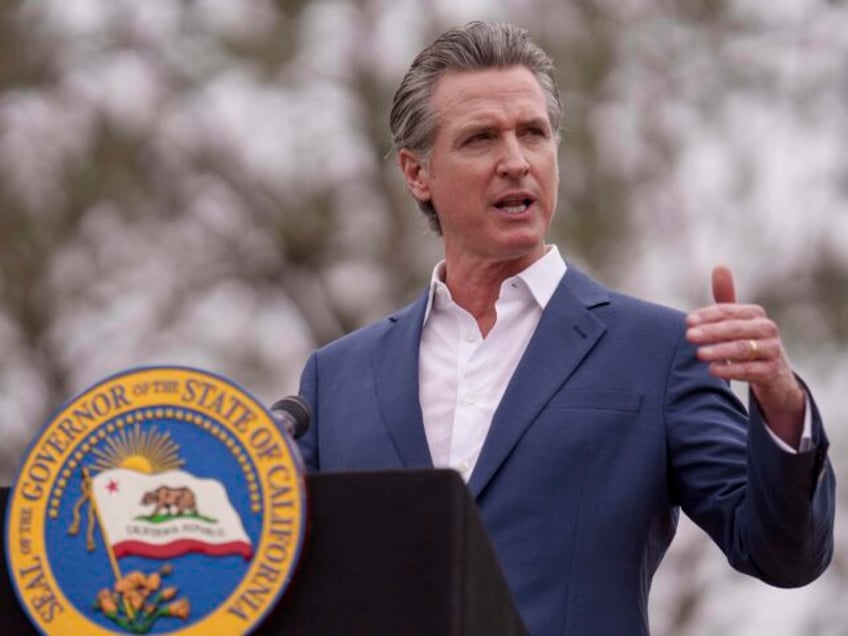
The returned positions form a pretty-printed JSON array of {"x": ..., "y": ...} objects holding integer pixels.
[{"x": 492, "y": 172}]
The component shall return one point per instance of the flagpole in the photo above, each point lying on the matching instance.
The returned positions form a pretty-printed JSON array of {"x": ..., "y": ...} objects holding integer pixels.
[{"x": 113, "y": 561}]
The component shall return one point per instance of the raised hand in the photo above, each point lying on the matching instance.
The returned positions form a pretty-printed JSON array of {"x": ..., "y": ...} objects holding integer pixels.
[{"x": 740, "y": 342}]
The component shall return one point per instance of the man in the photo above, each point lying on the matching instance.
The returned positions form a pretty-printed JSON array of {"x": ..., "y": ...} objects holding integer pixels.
[{"x": 580, "y": 418}]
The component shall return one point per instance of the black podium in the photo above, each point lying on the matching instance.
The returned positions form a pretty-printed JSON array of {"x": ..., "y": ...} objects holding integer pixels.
[{"x": 396, "y": 553}]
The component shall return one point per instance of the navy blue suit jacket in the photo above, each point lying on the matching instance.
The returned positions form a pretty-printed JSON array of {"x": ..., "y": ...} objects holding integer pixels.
[{"x": 608, "y": 426}]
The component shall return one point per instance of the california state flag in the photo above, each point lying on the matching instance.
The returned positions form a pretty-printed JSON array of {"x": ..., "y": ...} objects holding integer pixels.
[{"x": 167, "y": 514}]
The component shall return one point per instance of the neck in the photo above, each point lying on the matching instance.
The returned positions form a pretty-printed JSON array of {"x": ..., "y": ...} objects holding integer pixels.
[{"x": 476, "y": 287}]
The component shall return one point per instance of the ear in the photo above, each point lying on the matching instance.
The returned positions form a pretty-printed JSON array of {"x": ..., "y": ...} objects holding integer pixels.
[{"x": 416, "y": 173}]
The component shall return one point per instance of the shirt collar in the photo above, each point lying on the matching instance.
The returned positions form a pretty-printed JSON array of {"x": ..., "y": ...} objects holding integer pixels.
[{"x": 541, "y": 279}]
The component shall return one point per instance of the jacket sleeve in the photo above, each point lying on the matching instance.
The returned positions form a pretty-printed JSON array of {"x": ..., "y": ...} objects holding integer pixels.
[
  {"x": 308, "y": 442},
  {"x": 771, "y": 512}
]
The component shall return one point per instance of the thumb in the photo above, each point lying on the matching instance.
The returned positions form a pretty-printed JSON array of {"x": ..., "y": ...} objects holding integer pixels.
[{"x": 723, "y": 291}]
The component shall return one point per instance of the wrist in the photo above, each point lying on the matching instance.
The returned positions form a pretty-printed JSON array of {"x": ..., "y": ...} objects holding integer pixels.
[{"x": 783, "y": 408}]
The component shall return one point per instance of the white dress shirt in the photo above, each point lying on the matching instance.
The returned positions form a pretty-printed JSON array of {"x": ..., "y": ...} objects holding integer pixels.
[{"x": 463, "y": 376}]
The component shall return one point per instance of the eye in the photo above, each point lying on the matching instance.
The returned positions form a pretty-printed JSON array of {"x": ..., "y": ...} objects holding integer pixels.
[
  {"x": 479, "y": 138},
  {"x": 535, "y": 132}
]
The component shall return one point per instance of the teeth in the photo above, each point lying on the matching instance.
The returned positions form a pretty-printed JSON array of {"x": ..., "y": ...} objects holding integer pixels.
[{"x": 514, "y": 208}]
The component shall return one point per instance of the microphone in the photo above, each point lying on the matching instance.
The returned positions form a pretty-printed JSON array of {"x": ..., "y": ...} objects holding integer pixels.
[{"x": 293, "y": 414}]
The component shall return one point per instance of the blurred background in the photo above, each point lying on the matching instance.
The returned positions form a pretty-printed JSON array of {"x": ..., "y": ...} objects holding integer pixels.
[{"x": 208, "y": 182}]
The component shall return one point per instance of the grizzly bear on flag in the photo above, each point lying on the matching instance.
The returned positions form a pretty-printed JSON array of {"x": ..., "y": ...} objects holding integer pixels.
[{"x": 165, "y": 498}]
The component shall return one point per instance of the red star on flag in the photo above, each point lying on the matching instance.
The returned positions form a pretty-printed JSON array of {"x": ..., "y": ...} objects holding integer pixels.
[{"x": 112, "y": 486}]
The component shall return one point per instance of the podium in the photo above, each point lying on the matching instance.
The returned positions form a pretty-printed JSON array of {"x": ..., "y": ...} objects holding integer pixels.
[{"x": 401, "y": 552}]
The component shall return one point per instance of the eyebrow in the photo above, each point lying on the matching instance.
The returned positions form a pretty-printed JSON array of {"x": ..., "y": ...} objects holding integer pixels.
[
  {"x": 474, "y": 128},
  {"x": 538, "y": 122}
]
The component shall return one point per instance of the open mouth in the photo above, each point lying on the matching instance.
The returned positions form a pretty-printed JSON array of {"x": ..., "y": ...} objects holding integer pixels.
[{"x": 514, "y": 205}]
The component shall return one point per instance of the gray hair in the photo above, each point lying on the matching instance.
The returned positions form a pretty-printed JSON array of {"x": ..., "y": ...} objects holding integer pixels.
[{"x": 477, "y": 46}]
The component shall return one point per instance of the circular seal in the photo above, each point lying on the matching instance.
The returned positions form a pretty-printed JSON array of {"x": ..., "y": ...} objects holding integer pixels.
[{"x": 160, "y": 501}]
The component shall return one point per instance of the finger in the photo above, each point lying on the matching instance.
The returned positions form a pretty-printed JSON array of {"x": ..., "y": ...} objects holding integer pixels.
[
  {"x": 740, "y": 351},
  {"x": 723, "y": 290},
  {"x": 705, "y": 332},
  {"x": 756, "y": 371},
  {"x": 723, "y": 312}
]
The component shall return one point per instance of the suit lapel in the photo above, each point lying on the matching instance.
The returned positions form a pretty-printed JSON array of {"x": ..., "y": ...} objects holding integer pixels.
[
  {"x": 566, "y": 333},
  {"x": 395, "y": 364}
]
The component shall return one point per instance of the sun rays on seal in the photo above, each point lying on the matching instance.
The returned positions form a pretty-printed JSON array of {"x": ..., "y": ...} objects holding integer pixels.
[{"x": 149, "y": 451}]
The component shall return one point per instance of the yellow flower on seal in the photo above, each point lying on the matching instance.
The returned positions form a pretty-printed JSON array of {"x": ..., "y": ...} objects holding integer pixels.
[{"x": 179, "y": 608}]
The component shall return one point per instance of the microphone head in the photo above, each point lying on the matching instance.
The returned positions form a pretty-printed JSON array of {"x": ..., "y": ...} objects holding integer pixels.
[{"x": 295, "y": 413}]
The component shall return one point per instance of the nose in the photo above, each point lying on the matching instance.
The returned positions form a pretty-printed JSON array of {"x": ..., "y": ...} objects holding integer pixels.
[{"x": 514, "y": 162}]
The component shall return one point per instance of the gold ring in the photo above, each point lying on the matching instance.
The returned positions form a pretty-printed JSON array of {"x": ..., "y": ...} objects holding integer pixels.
[{"x": 754, "y": 348}]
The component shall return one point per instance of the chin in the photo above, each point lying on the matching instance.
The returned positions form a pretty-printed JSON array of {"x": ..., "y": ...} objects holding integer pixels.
[
  {"x": 526, "y": 248},
  {"x": 523, "y": 241}
]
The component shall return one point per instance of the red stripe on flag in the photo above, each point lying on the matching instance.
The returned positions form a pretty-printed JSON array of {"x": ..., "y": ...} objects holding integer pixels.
[{"x": 180, "y": 547}]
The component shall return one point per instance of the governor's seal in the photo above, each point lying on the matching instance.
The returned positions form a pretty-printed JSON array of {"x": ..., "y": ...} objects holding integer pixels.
[{"x": 160, "y": 501}]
